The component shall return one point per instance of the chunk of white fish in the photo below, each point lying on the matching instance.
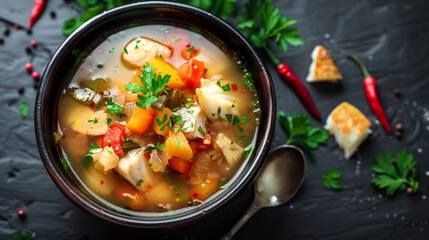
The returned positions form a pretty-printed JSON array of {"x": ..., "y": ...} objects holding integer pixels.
[
  {"x": 134, "y": 167},
  {"x": 85, "y": 120},
  {"x": 231, "y": 151},
  {"x": 194, "y": 122},
  {"x": 140, "y": 49},
  {"x": 214, "y": 101}
]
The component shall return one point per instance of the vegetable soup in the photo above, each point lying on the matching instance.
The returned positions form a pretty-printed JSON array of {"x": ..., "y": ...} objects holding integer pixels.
[{"x": 156, "y": 118}]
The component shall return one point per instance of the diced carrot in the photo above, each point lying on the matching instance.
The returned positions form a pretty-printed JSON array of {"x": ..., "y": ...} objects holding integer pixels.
[
  {"x": 204, "y": 190},
  {"x": 162, "y": 129},
  {"x": 151, "y": 111},
  {"x": 80, "y": 136},
  {"x": 132, "y": 97},
  {"x": 177, "y": 145},
  {"x": 121, "y": 88},
  {"x": 192, "y": 73},
  {"x": 180, "y": 165},
  {"x": 131, "y": 197},
  {"x": 141, "y": 120},
  {"x": 163, "y": 68},
  {"x": 193, "y": 145},
  {"x": 99, "y": 141},
  {"x": 136, "y": 78},
  {"x": 188, "y": 54}
]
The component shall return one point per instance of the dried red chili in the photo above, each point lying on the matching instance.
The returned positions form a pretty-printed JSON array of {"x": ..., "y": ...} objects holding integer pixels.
[
  {"x": 370, "y": 85},
  {"x": 36, "y": 12},
  {"x": 298, "y": 86}
]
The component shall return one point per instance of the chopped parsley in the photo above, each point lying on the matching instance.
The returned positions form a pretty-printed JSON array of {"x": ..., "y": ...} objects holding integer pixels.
[
  {"x": 222, "y": 183},
  {"x": 64, "y": 162},
  {"x": 23, "y": 108},
  {"x": 200, "y": 129},
  {"x": 112, "y": 50},
  {"x": 191, "y": 111},
  {"x": 177, "y": 143},
  {"x": 241, "y": 138},
  {"x": 93, "y": 121},
  {"x": 177, "y": 119},
  {"x": 188, "y": 102},
  {"x": 125, "y": 50},
  {"x": 109, "y": 152},
  {"x": 190, "y": 49},
  {"x": 161, "y": 122},
  {"x": 165, "y": 29},
  {"x": 247, "y": 151},
  {"x": 255, "y": 102},
  {"x": 139, "y": 183},
  {"x": 160, "y": 56},
  {"x": 218, "y": 110},
  {"x": 235, "y": 120},
  {"x": 229, "y": 117},
  {"x": 153, "y": 86},
  {"x": 109, "y": 121},
  {"x": 87, "y": 160},
  {"x": 114, "y": 108},
  {"x": 137, "y": 153},
  {"x": 175, "y": 40},
  {"x": 121, "y": 115},
  {"x": 225, "y": 88}
]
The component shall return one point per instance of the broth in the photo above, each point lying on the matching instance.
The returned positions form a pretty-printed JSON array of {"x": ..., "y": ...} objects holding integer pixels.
[{"x": 155, "y": 172}]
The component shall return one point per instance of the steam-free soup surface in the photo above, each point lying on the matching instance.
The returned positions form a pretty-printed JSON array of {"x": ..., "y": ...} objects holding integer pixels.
[{"x": 156, "y": 118}]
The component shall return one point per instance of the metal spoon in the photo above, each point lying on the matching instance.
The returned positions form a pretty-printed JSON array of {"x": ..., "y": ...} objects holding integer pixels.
[{"x": 278, "y": 181}]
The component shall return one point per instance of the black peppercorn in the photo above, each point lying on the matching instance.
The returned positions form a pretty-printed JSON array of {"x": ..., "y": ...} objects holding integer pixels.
[
  {"x": 399, "y": 127},
  {"x": 28, "y": 49},
  {"x": 20, "y": 90},
  {"x": 53, "y": 14},
  {"x": 410, "y": 190},
  {"x": 393, "y": 160},
  {"x": 397, "y": 92},
  {"x": 1, "y": 39},
  {"x": 6, "y": 31}
]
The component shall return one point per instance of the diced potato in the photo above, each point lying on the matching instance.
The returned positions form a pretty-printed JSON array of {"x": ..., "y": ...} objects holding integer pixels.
[
  {"x": 204, "y": 189},
  {"x": 141, "y": 49},
  {"x": 86, "y": 121},
  {"x": 231, "y": 151},
  {"x": 177, "y": 145}
]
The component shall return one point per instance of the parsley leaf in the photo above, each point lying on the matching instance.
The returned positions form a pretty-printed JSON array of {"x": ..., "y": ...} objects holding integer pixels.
[
  {"x": 24, "y": 235},
  {"x": 221, "y": 8},
  {"x": 65, "y": 163},
  {"x": 23, "y": 107},
  {"x": 139, "y": 183},
  {"x": 395, "y": 175},
  {"x": 153, "y": 85},
  {"x": 87, "y": 160},
  {"x": 225, "y": 88},
  {"x": 247, "y": 151},
  {"x": 261, "y": 21},
  {"x": 301, "y": 133},
  {"x": 114, "y": 108},
  {"x": 200, "y": 129},
  {"x": 331, "y": 179}
]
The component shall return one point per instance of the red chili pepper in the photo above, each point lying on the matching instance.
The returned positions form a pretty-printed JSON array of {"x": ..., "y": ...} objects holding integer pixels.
[
  {"x": 36, "y": 12},
  {"x": 372, "y": 95},
  {"x": 293, "y": 80}
]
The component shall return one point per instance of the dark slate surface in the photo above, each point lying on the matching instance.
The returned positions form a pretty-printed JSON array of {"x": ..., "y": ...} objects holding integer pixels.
[{"x": 392, "y": 39}]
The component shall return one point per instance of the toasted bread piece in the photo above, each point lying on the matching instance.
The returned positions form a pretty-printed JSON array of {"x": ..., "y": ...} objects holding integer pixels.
[
  {"x": 322, "y": 68},
  {"x": 349, "y": 126}
]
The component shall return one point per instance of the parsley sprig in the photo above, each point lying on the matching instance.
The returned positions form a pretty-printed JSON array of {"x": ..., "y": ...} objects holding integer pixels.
[
  {"x": 87, "y": 160},
  {"x": 153, "y": 85},
  {"x": 23, "y": 235},
  {"x": 395, "y": 174},
  {"x": 301, "y": 133},
  {"x": 331, "y": 179},
  {"x": 262, "y": 21}
]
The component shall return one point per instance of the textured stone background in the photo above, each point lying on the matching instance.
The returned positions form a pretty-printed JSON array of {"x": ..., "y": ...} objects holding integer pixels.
[{"x": 391, "y": 37}]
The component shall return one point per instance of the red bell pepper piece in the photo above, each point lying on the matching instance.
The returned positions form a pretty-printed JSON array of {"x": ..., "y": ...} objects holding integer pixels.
[
  {"x": 192, "y": 73},
  {"x": 371, "y": 92},
  {"x": 113, "y": 137}
]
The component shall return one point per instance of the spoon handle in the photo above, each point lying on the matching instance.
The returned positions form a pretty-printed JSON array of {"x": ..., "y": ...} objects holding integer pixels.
[{"x": 249, "y": 213}]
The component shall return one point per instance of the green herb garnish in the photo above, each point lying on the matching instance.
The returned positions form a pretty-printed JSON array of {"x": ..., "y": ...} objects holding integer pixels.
[
  {"x": 200, "y": 129},
  {"x": 114, "y": 108},
  {"x": 177, "y": 143},
  {"x": 241, "y": 138},
  {"x": 175, "y": 40},
  {"x": 23, "y": 108},
  {"x": 109, "y": 120},
  {"x": 139, "y": 183},
  {"x": 87, "y": 160},
  {"x": 177, "y": 119},
  {"x": 64, "y": 162},
  {"x": 301, "y": 133},
  {"x": 331, "y": 179},
  {"x": 190, "y": 49},
  {"x": 153, "y": 85},
  {"x": 395, "y": 174},
  {"x": 225, "y": 88},
  {"x": 24, "y": 235},
  {"x": 93, "y": 121},
  {"x": 247, "y": 151}
]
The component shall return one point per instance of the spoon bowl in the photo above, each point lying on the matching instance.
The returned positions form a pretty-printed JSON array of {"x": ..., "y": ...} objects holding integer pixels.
[
  {"x": 279, "y": 180},
  {"x": 281, "y": 176}
]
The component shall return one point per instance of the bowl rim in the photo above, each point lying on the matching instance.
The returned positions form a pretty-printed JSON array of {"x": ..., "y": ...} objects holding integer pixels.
[{"x": 98, "y": 210}]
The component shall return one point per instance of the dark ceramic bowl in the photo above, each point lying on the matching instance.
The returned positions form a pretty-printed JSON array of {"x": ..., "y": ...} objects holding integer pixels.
[{"x": 63, "y": 64}]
